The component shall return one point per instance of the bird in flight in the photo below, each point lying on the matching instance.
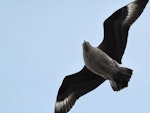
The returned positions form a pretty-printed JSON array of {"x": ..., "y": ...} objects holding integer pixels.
[{"x": 116, "y": 29}]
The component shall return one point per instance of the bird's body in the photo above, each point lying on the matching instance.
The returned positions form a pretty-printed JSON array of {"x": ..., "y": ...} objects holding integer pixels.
[
  {"x": 106, "y": 62},
  {"x": 101, "y": 64}
]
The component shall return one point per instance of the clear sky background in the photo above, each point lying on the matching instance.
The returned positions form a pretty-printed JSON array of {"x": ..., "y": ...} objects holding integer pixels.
[{"x": 41, "y": 43}]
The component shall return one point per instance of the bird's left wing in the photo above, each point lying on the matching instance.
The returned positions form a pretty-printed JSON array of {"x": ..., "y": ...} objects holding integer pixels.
[{"x": 73, "y": 87}]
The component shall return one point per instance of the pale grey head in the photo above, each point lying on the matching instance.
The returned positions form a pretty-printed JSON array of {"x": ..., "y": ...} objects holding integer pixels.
[{"x": 86, "y": 46}]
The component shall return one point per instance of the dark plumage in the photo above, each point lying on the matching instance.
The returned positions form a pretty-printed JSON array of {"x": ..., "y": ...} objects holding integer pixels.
[{"x": 115, "y": 38}]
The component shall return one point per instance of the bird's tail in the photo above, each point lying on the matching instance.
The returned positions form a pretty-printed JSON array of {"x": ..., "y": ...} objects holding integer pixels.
[{"x": 121, "y": 79}]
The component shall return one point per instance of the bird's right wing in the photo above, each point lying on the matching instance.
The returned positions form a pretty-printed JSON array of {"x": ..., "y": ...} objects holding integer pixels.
[{"x": 73, "y": 87}]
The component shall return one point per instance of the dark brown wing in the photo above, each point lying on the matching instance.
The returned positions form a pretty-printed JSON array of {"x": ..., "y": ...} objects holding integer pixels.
[
  {"x": 73, "y": 87},
  {"x": 116, "y": 28}
]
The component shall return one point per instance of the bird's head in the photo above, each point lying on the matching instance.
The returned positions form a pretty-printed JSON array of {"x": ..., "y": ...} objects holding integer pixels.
[{"x": 86, "y": 46}]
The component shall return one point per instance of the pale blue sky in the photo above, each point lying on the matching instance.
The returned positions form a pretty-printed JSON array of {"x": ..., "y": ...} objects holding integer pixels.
[{"x": 41, "y": 43}]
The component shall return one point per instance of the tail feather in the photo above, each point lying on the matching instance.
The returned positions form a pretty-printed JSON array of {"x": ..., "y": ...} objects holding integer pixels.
[{"x": 121, "y": 79}]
